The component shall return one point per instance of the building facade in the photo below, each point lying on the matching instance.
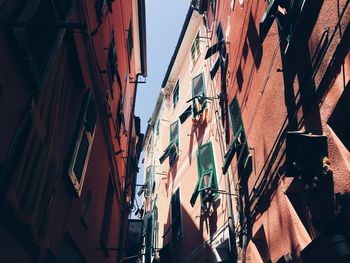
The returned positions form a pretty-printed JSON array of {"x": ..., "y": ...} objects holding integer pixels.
[
  {"x": 70, "y": 142},
  {"x": 252, "y": 118}
]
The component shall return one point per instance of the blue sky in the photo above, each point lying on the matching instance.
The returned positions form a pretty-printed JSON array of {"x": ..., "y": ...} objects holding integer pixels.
[{"x": 164, "y": 20}]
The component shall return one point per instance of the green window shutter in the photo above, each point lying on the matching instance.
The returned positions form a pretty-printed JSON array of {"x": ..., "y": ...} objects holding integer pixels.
[
  {"x": 206, "y": 174},
  {"x": 174, "y": 142},
  {"x": 239, "y": 142},
  {"x": 149, "y": 238},
  {"x": 198, "y": 90},
  {"x": 176, "y": 215}
]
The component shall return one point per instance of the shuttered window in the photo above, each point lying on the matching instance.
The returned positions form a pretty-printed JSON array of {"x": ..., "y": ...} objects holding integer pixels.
[
  {"x": 207, "y": 180},
  {"x": 174, "y": 140},
  {"x": 198, "y": 92},
  {"x": 195, "y": 49},
  {"x": 176, "y": 226},
  {"x": 149, "y": 237},
  {"x": 239, "y": 143}
]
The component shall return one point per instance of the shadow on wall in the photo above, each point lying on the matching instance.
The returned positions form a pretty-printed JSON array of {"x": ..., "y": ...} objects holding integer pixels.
[
  {"x": 190, "y": 246},
  {"x": 297, "y": 62}
]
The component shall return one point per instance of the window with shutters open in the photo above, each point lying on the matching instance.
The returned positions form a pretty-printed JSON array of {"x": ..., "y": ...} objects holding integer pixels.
[
  {"x": 239, "y": 137},
  {"x": 195, "y": 50},
  {"x": 176, "y": 227},
  {"x": 199, "y": 93},
  {"x": 207, "y": 181},
  {"x": 82, "y": 149},
  {"x": 288, "y": 13},
  {"x": 174, "y": 140},
  {"x": 239, "y": 143}
]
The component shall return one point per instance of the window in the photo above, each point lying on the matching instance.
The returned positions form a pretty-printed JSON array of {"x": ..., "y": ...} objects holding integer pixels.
[
  {"x": 239, "y": 143},
  {"x": 106, "y": 223},
  {"x": 176, "y": 227},
  {"x": 172, "y": 151},
  {"x": 148, "y": 237},
  {"x": 239, "y": 137},
  {"x": 155, "y": 226},
  {"x": 130, "y": 43},
  {"x": 287, "y": 13},
  {"x": 38, "y": 42},
  {"x": 174, "y": 140},
  {"x": 199, "y": 93},
  {"x": 195, "y": 49},
  {"x": 206, "y": 175},
  {"x": 148, "y": 181},
  {"x": 176, "y": 94},
  {"x": 288, "y": 16},
  {"x": 112, "y": 61},
  {"x": 83, "y": 144}
]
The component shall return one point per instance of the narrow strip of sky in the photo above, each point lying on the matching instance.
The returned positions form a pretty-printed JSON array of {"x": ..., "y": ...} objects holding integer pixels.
[{"x": 164, "y": 23}]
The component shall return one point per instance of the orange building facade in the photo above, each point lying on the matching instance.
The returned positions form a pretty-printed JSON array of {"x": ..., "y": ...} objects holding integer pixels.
[
  {"x": 69, "y": 142},
  {"x": 247, "y": 150}
]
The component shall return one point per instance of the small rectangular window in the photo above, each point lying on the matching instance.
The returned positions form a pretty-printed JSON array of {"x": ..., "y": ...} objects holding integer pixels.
[
  {"x": 199, "y": 92},
  {"x": 176, "y": 226},
  {"x": 174, "y": 140},
  {"x": 112, "y": 61},
  {"x": 207, "y": 180},
  {"x": 148, "y": 237},
  {"x": 239, "y": 143},
  {"x": 107, "y": 216},
  {"x": 239, "y": 137},
  {"x": 148, "y": 181},
  {"x": 83, "y": 144},
  {"x": 176, "y": 94},
  {"x": 195, "y": 49}
]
